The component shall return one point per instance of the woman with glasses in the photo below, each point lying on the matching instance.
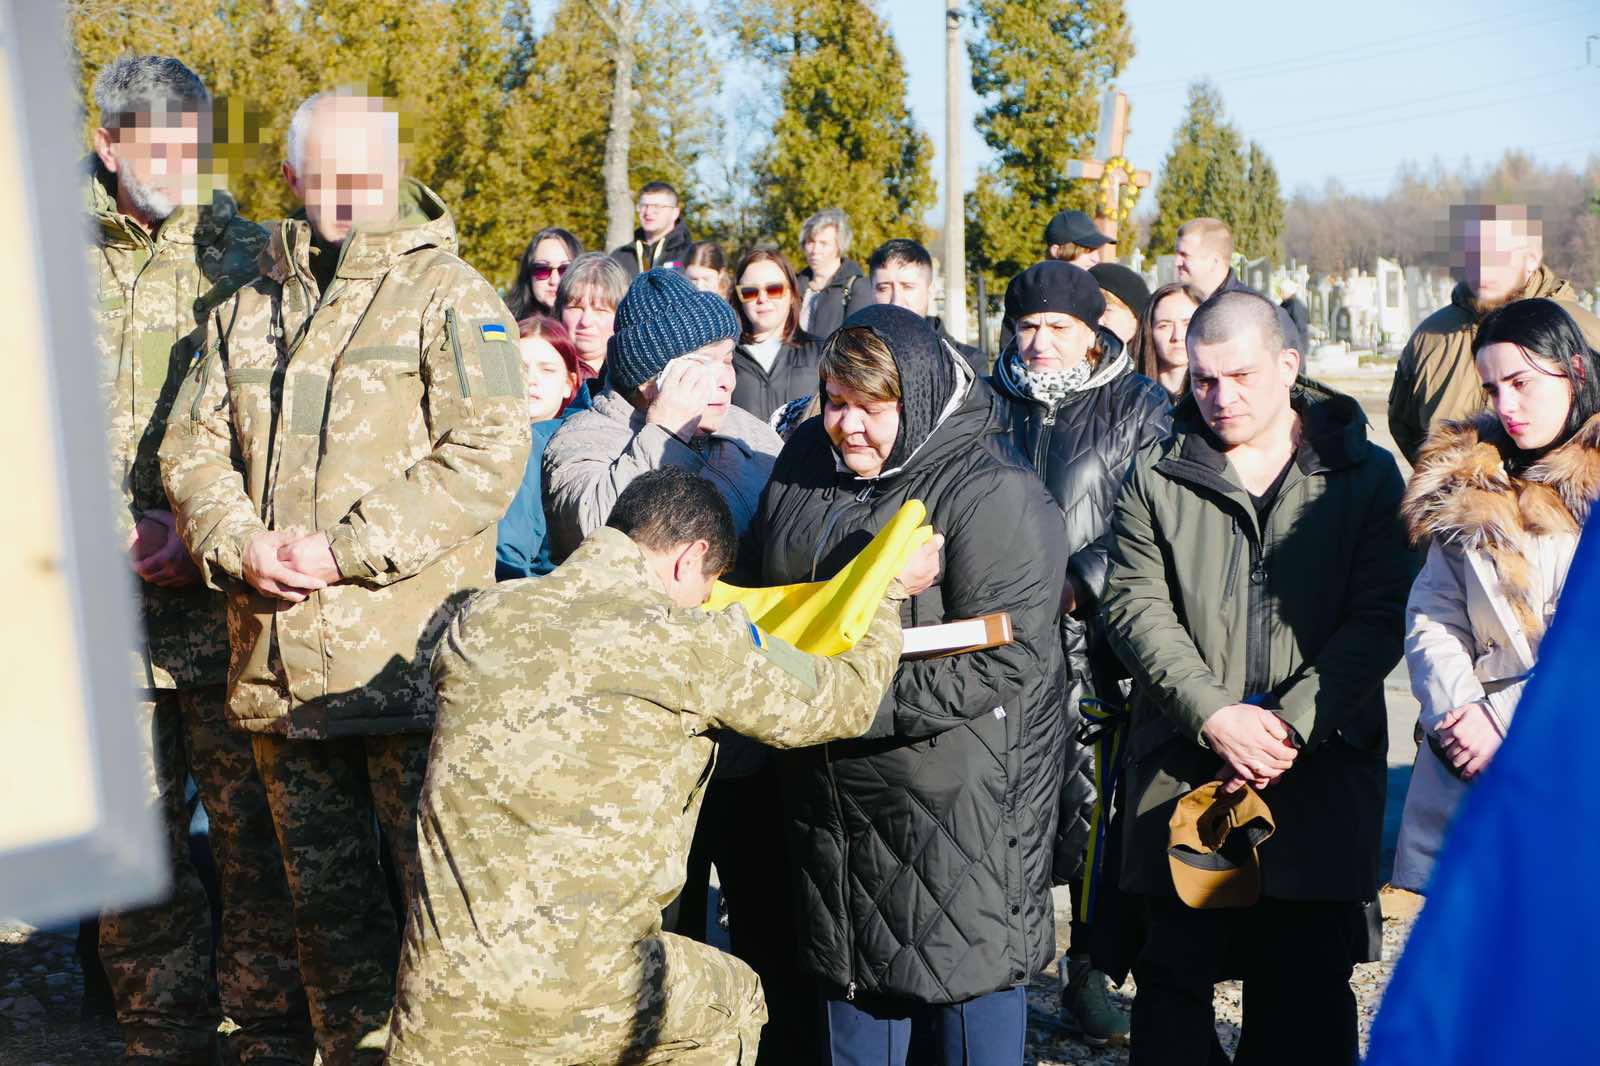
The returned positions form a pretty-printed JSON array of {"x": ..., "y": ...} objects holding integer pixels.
[
  {"x": 539, "y": 272},
  {"x": 586, "y": 303},
  {"x": 776, "y": 361},
  {"x": 1080, "y": 413}
]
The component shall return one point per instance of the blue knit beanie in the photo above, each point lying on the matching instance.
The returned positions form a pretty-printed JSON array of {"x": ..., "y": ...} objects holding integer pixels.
[{"x": 662, "y": 317}]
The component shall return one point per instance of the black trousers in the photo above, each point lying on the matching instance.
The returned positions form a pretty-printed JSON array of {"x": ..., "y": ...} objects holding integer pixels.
[
  {"x": 1295, "y": 960},
  {"x": 741, "y": 831}
]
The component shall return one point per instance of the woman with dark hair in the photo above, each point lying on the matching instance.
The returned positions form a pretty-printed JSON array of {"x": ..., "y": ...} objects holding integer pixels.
[
  {"x": 1501, "y": 499},
  {"x": 550, "y": 367},
  {"x": 539, "y": 272},
  {"x": 924, "y": 847},
  {"x": 1080, "y": 414},
  {"x": 775, "y": 360},
  {"x": 1158, "y": 348},
  {"x": 707, "y": 269}
]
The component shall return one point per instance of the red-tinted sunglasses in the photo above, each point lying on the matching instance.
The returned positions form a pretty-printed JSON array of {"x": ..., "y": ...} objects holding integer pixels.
[
  {"x": 541, "y": 270},
  {"x": 749, "y": 293}
]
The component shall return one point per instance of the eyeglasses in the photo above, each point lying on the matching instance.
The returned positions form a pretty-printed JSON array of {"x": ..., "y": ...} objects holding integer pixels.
[
  {"x": 541, "y": 270},
  {"x": 750, "y": 293},
  {"x": 650, "y": 206}
]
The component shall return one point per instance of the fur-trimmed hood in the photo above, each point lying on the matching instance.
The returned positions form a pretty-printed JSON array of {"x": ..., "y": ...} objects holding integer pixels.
[{"x": 1462, "y": 494}]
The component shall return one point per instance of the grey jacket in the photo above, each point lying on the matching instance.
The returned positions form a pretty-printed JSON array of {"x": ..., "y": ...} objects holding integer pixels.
[{"x": 597, "y": 453}]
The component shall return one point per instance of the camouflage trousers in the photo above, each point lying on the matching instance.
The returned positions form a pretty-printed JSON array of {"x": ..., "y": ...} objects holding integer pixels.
[
  {"x": 157, "y": 959},
  {"x": 329, "y": 798}
]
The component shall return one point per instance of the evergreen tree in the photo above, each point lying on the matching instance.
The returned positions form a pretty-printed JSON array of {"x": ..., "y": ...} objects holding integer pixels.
[
  {"x": 1261, "y": 217},
  {"x": 1204, "y": 173},
  {"x": 844, "y": 137},
  {"x": 1044, "y": 67}
]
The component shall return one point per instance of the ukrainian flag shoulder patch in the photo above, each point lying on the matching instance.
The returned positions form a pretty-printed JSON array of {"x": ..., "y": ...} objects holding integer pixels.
[
  {"x": 756, "y": 637},
  {"x": 492, "y": 331}
]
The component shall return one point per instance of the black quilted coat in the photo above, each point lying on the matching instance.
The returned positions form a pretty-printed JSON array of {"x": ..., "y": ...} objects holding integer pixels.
[
  {"x": 923, "y": 849},
  {"x": 1083, "y": 449}
]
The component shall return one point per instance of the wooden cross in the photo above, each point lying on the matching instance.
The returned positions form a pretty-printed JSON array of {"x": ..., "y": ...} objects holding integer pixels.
[{"x": 1108, "y": 146}]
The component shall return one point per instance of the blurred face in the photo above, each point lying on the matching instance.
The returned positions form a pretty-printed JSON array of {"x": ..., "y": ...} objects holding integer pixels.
[
  {"x": 550, "y": 261},
  {"x": 704, "y": 278},
  {"x": 1242, "y": 387},
  {"x": 822, "y": 250},
  {"x": 549, "y": 380},
  {"x": 156, "y": 160},
  {"x": 1199, "y": 266},
  {"x": 1530, "y": 395},
  {"x": 1119, "y": 319},
  {"x": 862, "y": 429},
  {"x": 658, "y": 213},
  {"x": 766, "y": 297},
  {"x": 1052, "y": 340},
  {"x": 350, "y": 173},
  {"x": 591, "y": 324},
  {"x": 1500, "y": 257},
  {"x": 903, "y": 285},
  {"x": 1172, "y": 317}
]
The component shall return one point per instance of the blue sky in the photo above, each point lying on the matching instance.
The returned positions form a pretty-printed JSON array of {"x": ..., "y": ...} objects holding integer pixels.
[{"x": 1347, "y": 89}]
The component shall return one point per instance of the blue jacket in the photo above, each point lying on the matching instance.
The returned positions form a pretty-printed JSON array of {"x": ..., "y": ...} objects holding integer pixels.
[{"x": 522, "y": 545}]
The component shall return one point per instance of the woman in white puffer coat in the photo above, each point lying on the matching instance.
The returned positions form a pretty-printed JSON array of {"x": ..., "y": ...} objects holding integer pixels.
[{"x": 1501, "y": 499}]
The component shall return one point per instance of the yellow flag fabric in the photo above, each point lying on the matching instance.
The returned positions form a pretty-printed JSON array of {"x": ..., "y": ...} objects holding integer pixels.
[{"x": 828, "y": 617}]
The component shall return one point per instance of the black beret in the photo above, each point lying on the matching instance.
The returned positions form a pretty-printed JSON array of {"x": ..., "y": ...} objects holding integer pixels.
[{"x": 1054, "y": 285}]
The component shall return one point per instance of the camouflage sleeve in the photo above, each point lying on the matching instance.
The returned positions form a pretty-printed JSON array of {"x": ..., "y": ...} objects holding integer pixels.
[
  {"x": 476, "y": 407},
  {"x": 202, "y": 469},
  {"x": 749, "y": 681},
  {"x": 1407, "y": 428}
]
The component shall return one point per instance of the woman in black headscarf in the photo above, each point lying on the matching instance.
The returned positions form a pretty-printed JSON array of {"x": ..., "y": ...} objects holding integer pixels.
[{"x": 923, "y": 849}]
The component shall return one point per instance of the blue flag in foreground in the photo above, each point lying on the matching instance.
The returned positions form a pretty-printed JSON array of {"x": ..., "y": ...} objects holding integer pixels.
[{"x": 1502, "y": 964}]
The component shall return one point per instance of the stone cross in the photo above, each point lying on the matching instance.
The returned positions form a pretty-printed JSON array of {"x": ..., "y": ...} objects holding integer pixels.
[{"x": 1108, "y": 146}]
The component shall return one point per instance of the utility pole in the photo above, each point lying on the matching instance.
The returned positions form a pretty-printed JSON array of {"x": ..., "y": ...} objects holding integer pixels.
[{"x": 955, "y": 229}]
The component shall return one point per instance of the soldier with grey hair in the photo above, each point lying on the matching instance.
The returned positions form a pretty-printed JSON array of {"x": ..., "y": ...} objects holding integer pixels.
[
  {"x": 160, "y": 260},
  {"x": 833, "y": 286},
  {"x": 339, "y": 457},
  {"x": 563, "y": 791}
]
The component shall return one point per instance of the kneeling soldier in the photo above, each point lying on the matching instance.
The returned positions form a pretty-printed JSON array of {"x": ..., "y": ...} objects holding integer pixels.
[{"x": 563, "y": 788}]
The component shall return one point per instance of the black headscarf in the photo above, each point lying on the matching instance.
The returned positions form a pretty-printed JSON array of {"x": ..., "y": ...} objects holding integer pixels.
[{"x": 927, "y": 375}]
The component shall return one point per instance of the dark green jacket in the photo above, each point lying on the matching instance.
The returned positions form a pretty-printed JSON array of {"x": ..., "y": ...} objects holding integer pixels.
[{"x": 1206, "y": 608}]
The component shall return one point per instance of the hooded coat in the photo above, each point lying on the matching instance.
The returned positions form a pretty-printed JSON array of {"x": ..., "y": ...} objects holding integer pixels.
[
  {"x": 923, "y": 849},
  {"x": 670, "y": 251},
  {"x": 387, "y": 411},
  {"x": 1500, "y": 544},
  {"x": 1206, "y": 604},
  {"x": 1082, "y": 449},
  {"x": 1436, "y": 381}
]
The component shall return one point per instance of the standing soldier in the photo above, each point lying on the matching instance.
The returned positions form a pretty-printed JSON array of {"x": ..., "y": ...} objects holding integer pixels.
[
  {"x": 160, "y": 262},
  {"x": 339, "y": 459}
]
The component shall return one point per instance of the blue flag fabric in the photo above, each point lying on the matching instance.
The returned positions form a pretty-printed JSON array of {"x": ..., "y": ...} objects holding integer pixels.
[{"x": 1502, "y": 964}]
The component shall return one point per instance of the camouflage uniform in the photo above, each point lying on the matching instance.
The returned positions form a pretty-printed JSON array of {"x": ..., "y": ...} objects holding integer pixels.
[
  {"x": 562, "y": 792},
  {"x": 389, "y": 413},
  {"x": 153, "y": 293}
]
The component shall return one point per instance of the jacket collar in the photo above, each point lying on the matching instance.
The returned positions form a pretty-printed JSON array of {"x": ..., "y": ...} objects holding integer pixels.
[
  {"x": 1544, "y": 283},
  {"x": 369, "y": 251},
  {"x": 610, "y": 559}
]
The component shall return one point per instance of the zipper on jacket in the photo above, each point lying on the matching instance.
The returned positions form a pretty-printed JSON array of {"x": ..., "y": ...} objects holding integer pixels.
[
  {"x": 844, "y": 880},
  {"x": 1042, "y": 445},
  {"x": 1233, "y": 560},
  {"x": 451, "y": 327},
  {"x": 827, "y": 527}
]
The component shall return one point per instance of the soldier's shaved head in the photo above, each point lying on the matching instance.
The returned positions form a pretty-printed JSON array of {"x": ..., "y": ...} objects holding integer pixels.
[{"x": 1242, "y": 370}]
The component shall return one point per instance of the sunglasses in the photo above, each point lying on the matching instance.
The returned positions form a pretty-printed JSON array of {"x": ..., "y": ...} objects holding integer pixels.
[
  {"x": 750, "y": 293},
  {"x": 541, "y": 270}
]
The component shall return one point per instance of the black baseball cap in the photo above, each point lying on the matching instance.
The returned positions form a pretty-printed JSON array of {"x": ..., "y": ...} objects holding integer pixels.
[{"x": 1075, "y": 227}]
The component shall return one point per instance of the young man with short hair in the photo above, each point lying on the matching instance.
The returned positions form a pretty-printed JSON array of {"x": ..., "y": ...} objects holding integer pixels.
[
  {"x": 662, "y": 239},
  {"x": 901, "y": 272}
]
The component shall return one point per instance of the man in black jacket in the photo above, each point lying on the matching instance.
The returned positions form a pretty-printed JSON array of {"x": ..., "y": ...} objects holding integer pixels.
[
  {"x": 901, "y": 273},
  {"x": 662, "y": 240},
  {"x": 924, "y": 848}
]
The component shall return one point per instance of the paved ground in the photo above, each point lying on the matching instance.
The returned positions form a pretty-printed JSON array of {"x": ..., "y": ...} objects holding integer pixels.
[{"x": 40, "y": 981}]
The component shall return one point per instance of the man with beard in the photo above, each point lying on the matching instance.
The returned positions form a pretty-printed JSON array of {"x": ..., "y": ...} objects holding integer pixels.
[
  {"x": 1499, "y": 252},
  {"x": 161, "y": 258}
]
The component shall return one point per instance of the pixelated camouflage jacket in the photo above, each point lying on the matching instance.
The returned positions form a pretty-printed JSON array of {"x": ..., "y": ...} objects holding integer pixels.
[
  {"x": 152, "y": 294},
  {"x": 387, "y": 412},
  {"x": 562, "y": 792}
]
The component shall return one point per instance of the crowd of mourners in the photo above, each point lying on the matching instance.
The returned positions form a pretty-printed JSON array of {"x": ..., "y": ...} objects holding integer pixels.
[{"x": 423, "y": 569}]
